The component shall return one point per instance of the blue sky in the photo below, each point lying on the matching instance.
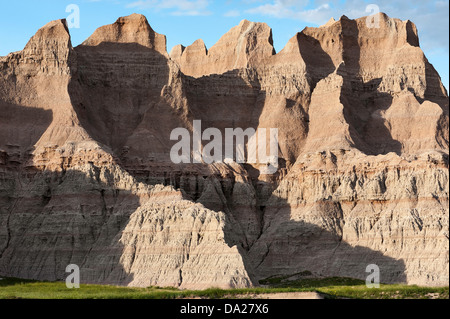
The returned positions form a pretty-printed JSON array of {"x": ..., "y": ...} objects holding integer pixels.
[{"x": 184, "y": 21}]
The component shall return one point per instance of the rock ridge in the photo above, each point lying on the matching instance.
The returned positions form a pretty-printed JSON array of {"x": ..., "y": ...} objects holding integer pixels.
[{"x": 86, "y": 176}]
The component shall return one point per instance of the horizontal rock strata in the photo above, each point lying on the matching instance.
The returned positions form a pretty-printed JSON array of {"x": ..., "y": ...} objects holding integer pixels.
[{"x": 86, "y": 176}]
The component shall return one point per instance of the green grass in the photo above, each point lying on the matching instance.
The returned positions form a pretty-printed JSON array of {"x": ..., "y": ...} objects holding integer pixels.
[
  {"x": 337, "y": 287},
  {"x": 13, "y": 288},
  {"x": 386, "y": 292}
]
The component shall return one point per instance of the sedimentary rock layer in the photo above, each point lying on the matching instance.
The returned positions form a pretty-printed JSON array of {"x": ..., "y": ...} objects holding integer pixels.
[{"x": 86, "y": 176}]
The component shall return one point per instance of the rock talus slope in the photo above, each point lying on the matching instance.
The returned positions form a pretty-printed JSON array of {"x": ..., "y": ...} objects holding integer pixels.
[{"x": 86, "y": 176}]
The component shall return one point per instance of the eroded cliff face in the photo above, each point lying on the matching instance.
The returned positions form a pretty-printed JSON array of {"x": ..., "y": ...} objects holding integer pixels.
[{"x": 86, "y": 176}]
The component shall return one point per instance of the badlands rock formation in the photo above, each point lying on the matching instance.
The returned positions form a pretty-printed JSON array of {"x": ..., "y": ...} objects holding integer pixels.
[{"x": 86, "y": 176}]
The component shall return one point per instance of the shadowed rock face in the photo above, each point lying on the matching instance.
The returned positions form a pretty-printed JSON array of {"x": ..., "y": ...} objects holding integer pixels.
[{"x": 86, "y": 176}]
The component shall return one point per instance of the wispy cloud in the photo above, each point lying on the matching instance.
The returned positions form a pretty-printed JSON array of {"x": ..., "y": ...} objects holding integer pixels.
[
  {"x": 294, "y": 9},
  {"x": 431, "y": 17},
  {"x": 232, "y": 13},
  {"x": 175, "y": 7}
]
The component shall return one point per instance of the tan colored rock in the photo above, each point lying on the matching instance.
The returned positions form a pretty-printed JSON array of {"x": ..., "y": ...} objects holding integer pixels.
[
  {"x": 130, "y": 29},
  {"x": 177, "y": 52},
  {"x": 345, "y": 211},
  {"x": 86, "y": 176},
  {"x": 243, "y": 46}
]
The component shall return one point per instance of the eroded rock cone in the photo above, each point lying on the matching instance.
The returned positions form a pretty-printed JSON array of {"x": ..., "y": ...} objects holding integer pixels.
[{"x": 131, "y": 29}]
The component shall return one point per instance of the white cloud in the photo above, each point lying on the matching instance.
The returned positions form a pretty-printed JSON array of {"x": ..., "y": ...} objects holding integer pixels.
[
  {"x": 291, "y": 9},
  {"x": 232, "y": 13},
  {"x": 430, "y": 17},
  {"x": 176, "y": 7},
  {"x": 294, "y": 9}
]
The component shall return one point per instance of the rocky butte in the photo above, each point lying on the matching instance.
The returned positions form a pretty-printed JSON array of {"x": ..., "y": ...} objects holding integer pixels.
[{"x": 86, "y": 176}]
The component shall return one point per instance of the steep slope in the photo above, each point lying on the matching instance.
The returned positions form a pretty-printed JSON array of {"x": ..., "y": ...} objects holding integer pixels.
[
  {"x": 362, "y": 177},
  {"x": 64, "y": 199},
  {"x": 243, "y": 46}
]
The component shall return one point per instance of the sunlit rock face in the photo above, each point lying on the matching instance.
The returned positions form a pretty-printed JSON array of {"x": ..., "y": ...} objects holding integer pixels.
[{"x": 86, "y": 176}]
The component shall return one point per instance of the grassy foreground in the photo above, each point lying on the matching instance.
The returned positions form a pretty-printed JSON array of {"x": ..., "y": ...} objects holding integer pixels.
[{"x": 12, "y": 288}]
